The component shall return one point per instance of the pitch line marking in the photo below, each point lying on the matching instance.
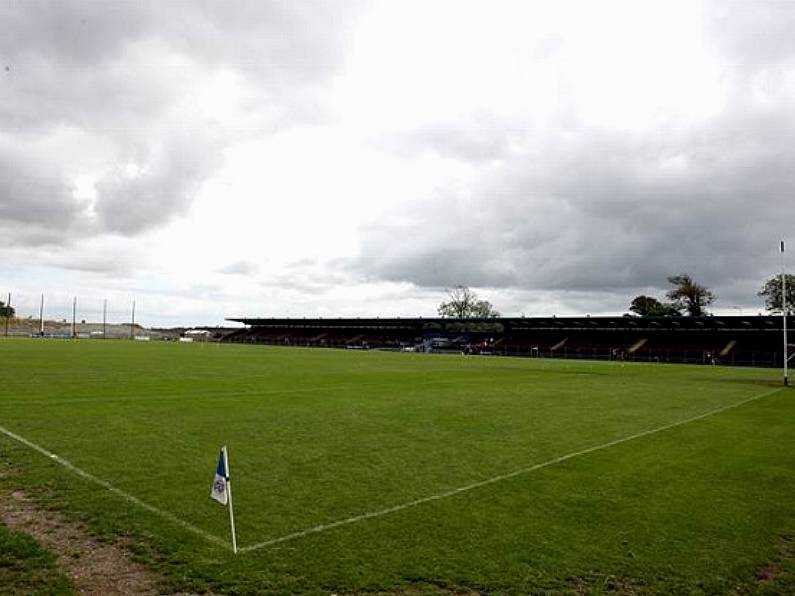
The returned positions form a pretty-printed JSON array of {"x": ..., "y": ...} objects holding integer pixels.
[
  {"x": 494, "y": 479},
  {"x": 117, "y": 491}
]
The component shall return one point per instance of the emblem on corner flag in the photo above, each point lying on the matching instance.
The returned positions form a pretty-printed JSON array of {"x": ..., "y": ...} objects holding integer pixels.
[{"x": 219, "y": 490}]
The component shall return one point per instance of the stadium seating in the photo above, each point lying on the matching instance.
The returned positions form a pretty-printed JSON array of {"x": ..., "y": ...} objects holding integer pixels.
[{"x": 752, "y": 341}]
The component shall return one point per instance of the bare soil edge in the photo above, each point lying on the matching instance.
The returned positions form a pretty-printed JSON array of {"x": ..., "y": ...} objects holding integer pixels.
[{"x": 94, "y": 568}]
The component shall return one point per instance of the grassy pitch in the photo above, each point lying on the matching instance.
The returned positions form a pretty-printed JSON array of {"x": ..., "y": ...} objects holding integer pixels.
[{"x": 364, "y": 471}]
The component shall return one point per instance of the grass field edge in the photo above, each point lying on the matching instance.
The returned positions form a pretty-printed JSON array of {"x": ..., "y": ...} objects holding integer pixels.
[{"x": 117, "y": 491}]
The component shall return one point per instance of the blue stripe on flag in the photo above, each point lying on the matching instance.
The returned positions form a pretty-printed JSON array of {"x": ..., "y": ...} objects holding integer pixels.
[{"x": 221, "y": 470}]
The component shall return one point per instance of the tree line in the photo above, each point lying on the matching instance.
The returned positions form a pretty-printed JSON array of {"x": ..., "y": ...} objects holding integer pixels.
[
  {"x": 686, "y": 297},
  {"x": 6, "y": 310}
]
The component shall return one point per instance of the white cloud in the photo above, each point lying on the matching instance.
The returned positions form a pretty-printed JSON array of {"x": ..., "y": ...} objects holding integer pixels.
[{"x": 280, "y": 158}]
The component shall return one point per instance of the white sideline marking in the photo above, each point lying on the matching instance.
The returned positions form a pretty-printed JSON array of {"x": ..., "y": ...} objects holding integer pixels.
[
  {"x": 107, "y": 485},
  {"x": 474, "y": 485}
]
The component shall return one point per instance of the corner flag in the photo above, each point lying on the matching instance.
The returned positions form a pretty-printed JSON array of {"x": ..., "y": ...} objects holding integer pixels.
[
  {"x": 222, "y": 491},
  {"x": 219, "y": 490}
]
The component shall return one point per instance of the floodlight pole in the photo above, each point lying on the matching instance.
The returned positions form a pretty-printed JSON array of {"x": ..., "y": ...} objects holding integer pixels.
[
  {"x": 74, "y": 317},
  {"x": 784, "y": 313},
  {"x": 104, "y": 317}
]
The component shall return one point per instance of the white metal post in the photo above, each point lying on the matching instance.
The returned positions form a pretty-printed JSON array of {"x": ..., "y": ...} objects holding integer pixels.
[
  {"x": 784, "y": 313},
  {"x": 41, "y": 316},
  {"x": 229, "y": 497}
]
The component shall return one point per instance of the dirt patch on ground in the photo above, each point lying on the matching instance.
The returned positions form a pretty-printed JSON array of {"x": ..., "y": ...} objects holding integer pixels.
[
  {"x": 607, "y": 584},
  {"x": 94, "y": 568},
  {"x": 778, "y": 571},
  {"x": 768, "y": 573}
]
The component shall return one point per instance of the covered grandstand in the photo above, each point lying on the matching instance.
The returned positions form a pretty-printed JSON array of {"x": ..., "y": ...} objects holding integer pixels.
[{"x": 732, "y": 340}]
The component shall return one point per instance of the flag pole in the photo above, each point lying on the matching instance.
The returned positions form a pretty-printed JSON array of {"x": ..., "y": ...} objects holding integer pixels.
[
  {"x": 229, "y": 495},
  {"x": 784, "y": 313}
]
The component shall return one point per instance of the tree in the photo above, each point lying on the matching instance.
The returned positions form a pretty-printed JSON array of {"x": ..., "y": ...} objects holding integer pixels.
[
  {"x": 6, "y": 311},
  {"x": 647, "y": 306},
  {"x": 464, "y": 304},
  {"x": 688, "y": 295},
  {"x": 771, "y": 292}
]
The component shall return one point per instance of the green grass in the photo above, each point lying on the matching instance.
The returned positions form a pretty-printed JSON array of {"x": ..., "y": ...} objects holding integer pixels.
[
  {"x": 27, "y": 568},
  {"x": 317, "y": 436}
]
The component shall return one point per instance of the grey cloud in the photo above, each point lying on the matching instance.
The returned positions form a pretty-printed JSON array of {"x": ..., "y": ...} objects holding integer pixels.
[
  {"x": 95, "y": 87},
  {"x": 32, "y": 191},
  {"x": 240, "y": 268},
  {"x": 484, "y": 137},
  {"x": 607, "y": 211},
  {"x": 307, "y": 276},
  {"x": 31, "y": 235},
  {"x": 580, "y": 209},
  {"x": 168, "y": 180},
  {"x": 80, "y": 58},
  {"x": 751, "y": 35},
  {"x": 205, "y": 291},
  {"x": 109, "y": 263},
  {"x": 74, "y": 32},
  {"x": 37, "y": 207},
  {"x": 101, "y": 256}
]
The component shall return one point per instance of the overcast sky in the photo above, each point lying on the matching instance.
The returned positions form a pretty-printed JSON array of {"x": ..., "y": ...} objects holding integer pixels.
[{"x": 257, "y": 158}]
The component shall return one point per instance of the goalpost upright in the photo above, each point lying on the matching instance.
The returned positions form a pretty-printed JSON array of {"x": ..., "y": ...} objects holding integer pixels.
[{"x": 784, "y": 313}]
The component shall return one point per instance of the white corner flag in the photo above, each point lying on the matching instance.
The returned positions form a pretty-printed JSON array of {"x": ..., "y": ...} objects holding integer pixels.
[
  {"x": 222, "y": 491},
  {"x": 219, "y": 491}
]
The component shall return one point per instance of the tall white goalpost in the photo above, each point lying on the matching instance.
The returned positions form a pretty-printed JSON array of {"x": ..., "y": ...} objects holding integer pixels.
[{"x": 784, "y": 314}]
